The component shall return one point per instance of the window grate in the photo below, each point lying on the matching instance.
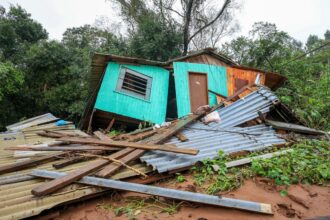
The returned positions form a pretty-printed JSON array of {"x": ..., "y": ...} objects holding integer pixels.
[{"x": 134, "y": 83}]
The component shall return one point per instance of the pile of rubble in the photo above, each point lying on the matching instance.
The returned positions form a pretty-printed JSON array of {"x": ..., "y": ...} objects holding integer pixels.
[{"x": 44, "y": 147}]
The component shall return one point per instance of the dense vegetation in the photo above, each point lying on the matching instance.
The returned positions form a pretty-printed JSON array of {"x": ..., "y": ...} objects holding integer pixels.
[
  {"x": 39, "y": 75},
  {"x": 307, "y": 163}
]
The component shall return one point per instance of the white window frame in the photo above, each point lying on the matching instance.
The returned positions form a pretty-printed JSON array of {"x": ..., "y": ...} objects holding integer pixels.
[{"x": 119, "y": 87}]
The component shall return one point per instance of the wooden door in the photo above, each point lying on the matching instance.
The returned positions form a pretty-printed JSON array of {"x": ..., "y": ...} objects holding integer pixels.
[{"x": 198, "y": 90}]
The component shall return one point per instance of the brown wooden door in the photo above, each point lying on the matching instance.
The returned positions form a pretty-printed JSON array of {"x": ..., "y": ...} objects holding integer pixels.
[{"x": 198, "y": 90}]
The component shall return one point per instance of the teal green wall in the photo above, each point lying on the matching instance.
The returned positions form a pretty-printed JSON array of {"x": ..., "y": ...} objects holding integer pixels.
[
  {"x": 154, "y": 110},
  {"x": 217, "y": 82}
]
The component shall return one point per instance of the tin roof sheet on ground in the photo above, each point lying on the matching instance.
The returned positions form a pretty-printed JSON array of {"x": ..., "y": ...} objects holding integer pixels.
[
  {"x": 211, "y": 138},
  {"x": 41, "y": 119},
  {"x": 17, "y": 202}
]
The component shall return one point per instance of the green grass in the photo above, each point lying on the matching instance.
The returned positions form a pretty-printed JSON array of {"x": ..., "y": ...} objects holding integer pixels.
[
  {"x": 135, "y": 205},
  {"x": 180, "y": 178},
  {"x": 309, "y": 162}
]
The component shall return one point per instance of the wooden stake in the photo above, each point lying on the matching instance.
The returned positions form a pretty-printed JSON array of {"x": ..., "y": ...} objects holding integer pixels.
[{"x": 143, "y": 146}]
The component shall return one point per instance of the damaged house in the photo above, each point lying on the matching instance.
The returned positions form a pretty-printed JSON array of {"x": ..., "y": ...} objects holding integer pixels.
[{"x": 132, "y": 90}]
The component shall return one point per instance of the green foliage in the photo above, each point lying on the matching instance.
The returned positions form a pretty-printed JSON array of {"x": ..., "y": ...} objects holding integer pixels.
[
  {"x": 155, "y": 40},
  {"x": 216, "y": 172},
  {"x": 307, "y": 89},
  {"x": 309, "y": 162},
  {"x": 17, "y": 31},
  {"x": 46, "y": 76},
  {"x": 11, "y": 79},
  {"x": 180, "y": 178},
  {"x": 283, "y": 193},
  {"x": 134, "y": 206}
]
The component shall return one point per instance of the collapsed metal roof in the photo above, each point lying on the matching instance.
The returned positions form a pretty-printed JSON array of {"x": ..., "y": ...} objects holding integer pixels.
[{"x": 211, "y": 138}]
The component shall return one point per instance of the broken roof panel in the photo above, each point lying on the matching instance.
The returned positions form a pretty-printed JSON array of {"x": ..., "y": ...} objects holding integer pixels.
[
  {"x": 41, "y": 119},
  {"x": 210, "y": 142},
  {"x": 211, "y": 138}
]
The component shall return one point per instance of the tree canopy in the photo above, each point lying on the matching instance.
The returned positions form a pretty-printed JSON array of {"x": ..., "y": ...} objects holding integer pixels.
[{"x": 39, "y": 75}]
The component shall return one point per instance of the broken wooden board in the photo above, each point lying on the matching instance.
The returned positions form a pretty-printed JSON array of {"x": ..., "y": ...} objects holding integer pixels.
[
  {"x": 181, "y": 137},
  {"x": 293, "y": 127},
  {"x": 80, "y": 148},
  {"x": 143, "y": 146},
  {"x": 113, "y": 167},
  {"x": 165, "y": 192},
  {"x": 156, "y": 139},
  {"x": 53, "y": 185},
  {"x": 56, "y": 184},
  {"x": 29, "y": 163}
]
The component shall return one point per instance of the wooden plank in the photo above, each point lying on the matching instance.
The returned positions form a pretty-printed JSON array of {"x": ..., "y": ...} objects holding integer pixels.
[
  {"x": 29, "y": 163},
  {"x": 110, "y": 125},
  {"x": 181, "y": 137},
  {"x": 102, "y": 136},
  {"x": 81, "y": 148},
  {"x": 159, "y": 138},
  {"x": 56, "y": 184},
  {"x": 69, "y": 161},
  {"x": 113, "y": 167},
  {"x": 148, "y": 146}
]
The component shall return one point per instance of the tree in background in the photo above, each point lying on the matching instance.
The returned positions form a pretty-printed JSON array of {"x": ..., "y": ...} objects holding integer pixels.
[
  {"x": 307, "y": 89},
  {"x": 38, "y": 75},
  {"x": 200, "y": 23}
]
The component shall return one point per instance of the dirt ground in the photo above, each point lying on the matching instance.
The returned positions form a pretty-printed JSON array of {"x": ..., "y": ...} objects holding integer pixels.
[{"x": 302, "y": 202}]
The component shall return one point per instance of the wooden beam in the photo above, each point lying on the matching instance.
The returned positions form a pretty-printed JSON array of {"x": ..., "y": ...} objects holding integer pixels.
[
  {"x": 69, "y": 161},
  {"x": 158, "y": 138},
  {"x": 80, "y": 148},
  {"x": 110, "y": 125},
  {"x": 56, "y": 184},
  {"x": 60, "y": 182},
  {"x": 29, "y": 163},
  {"x": 143, "y": 146},
  {"x": 113, "y": 167},
  {"x": 102, "y": 136},
  {"x": 181, "y": 137}
]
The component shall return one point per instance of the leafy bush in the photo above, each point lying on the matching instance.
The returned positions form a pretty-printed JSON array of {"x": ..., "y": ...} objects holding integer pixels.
[{"x": 309, "y": 162}]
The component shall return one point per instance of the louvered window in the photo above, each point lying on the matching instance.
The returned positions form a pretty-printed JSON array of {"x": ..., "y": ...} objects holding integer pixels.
[{"x": 134, "y": 83}]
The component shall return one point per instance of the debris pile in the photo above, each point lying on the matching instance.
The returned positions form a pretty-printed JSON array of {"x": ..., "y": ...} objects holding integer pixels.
[{"x": 45, "y": 147}]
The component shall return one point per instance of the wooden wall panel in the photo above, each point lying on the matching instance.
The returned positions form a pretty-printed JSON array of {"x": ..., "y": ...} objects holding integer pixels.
[
  {"x": 109, "y": 99},
  {"x": 236, "y": 73}
]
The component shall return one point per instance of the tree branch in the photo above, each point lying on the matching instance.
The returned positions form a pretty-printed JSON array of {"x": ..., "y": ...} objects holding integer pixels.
[
  {"x": 186, "y": 26},
  {"x": 225, "y": 5}
]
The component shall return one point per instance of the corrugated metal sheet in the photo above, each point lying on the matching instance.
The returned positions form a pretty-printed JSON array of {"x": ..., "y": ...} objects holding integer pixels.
[
  {"x": 32, "y": 122},
  {"x": 17, "y": 202},
  {"x": 210, "y": 142},
  {"x": 209, "y": 139}
]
